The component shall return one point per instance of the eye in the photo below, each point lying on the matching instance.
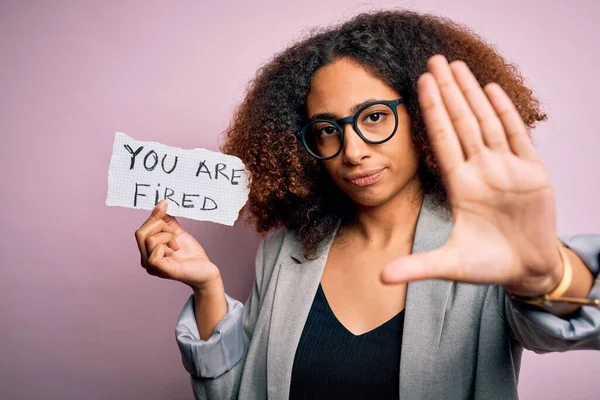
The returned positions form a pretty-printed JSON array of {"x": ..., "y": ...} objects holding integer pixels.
[
  {"x": 327, "y": 131},
  {"x": 374, "y": 117}
]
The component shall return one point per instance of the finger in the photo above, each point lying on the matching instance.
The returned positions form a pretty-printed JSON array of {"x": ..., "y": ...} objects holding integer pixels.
[
  {"x": 463, "y": 120},
  {"x": 173, "y": 245},
  {"x": 158, "y": 265},
  {"x": 437, "y": 264},
  {"x": 516, "y": 130},
  {"x": 150, "y": 227},
  {"x": 491, "y": 128},
  {"x": 160, "y": 238},
  {"x": 153, "y": 224},
  {"x": 172, "y": 222},
  {"x": 445, "y": 143},
  {"x": 154, "y": 272},
  {"x": 156, "y": 217}
]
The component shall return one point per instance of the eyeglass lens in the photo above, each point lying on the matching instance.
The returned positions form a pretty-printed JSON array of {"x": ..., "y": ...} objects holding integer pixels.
[{"x": 376, "y": 123}]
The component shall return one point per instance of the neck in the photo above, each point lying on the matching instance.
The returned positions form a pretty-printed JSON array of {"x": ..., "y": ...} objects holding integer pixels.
[{"x": 392, "y": 222}]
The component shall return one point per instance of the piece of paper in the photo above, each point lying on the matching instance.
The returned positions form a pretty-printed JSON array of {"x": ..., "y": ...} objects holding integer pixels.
[{"x": 199, "y": 184}]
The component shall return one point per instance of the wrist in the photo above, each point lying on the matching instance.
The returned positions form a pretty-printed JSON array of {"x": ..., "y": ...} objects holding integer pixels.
[
  {"x": 210, "y": 306},
  {"x": 571, "y": 292},
  {"x": 556, "y": 278},
  {"x": 206, "y": 289}
]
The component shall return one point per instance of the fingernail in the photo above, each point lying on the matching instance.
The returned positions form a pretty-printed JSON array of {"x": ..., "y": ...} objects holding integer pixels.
[
  {"x": 385, "y": 275},
  {"x": 392, "y": 270},
  {"x": 161, "y": 204}
]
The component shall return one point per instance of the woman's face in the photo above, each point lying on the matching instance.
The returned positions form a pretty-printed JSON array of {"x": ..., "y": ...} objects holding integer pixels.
[{"x": 370, "y": 174}]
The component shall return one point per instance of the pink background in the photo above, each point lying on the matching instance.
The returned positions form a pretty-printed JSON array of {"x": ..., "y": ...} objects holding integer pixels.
[{"x": 80, "y": 319}]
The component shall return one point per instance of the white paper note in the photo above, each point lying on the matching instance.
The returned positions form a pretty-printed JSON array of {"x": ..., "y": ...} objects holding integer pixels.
[{"x": 198, "y": 184}]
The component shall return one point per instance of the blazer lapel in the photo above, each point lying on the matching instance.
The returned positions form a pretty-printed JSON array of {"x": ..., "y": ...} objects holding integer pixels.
[
  {"x": 425, "y": 306},
  {"x": 297, "y": 284}
]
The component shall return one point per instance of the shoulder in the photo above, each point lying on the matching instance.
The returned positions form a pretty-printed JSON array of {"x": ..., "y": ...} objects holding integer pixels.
[
  {"x": 274, "y": 240},
  {"x": 275, "y": 248},
  {"x": 278, "y": 243}
]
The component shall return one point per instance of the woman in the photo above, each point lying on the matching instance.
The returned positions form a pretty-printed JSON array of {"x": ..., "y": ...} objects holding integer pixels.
[{"x": 365, "y": 145}]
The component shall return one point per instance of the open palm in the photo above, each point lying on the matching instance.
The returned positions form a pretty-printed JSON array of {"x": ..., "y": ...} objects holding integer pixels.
[{"x": 501, "y": 197}]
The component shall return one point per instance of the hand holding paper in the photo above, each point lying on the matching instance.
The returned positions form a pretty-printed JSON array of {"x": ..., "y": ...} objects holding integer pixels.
[
  {"x": 169, "y": 252},
  {"x": 198, "y": 184}
]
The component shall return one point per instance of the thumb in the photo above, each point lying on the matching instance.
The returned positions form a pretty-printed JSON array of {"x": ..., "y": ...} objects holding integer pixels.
[
  {"x": 174, "y": 224},
  {"x": 160, "y": 211},
  {"x": 441, "y": 263}
]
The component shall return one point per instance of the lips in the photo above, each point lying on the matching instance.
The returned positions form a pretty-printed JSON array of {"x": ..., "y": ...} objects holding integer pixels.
[{"x": 364, "y": 178}]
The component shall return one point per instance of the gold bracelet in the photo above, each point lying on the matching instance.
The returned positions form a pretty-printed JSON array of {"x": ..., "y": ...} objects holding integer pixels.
[
  {"x": 556, "y": 296},
  {"x": 567, "y": 277}
]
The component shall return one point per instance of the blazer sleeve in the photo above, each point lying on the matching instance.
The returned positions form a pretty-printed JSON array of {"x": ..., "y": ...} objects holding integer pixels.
[
  {"x": 221, "y": 351},
  {"x": 541, "y": 331},
  {"x": 215, "y": 365}
]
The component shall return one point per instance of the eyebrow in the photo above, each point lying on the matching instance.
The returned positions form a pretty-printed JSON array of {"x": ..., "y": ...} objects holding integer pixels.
[{"x": 353, "y": 110}]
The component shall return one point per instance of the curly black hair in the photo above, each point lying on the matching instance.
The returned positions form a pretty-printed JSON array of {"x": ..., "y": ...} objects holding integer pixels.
[{"x": 291, "y": 189}]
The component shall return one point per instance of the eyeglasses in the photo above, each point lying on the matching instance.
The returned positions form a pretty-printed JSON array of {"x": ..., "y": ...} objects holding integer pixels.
[{"x": 374, "y": 122}]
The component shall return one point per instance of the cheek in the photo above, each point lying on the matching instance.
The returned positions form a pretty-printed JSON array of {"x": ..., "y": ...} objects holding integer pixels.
[
  {"x": 401, "y": 150},
  {"x": 333, "y": 169},
  {"x": 331, "y": 166}
]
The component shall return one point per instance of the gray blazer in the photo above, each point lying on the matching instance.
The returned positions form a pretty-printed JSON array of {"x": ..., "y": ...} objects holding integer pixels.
[{"x": 460, "y": 340}]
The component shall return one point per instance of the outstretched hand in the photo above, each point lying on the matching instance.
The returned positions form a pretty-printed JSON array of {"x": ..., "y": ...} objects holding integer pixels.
[{"x": 504, "y": 224}]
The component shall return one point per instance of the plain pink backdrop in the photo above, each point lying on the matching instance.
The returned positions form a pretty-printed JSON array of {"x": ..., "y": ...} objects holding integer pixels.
[{"x": 80, "y": 319}]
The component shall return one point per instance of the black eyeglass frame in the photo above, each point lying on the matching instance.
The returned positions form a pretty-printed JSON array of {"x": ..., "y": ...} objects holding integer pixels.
[{"x": 353, "y": 119}]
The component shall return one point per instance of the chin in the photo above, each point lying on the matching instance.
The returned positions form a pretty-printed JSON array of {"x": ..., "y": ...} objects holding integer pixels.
[{"x": 366, "y": 199}]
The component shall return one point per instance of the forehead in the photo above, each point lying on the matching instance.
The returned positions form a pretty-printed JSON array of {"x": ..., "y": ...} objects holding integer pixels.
[{"x": 337, "y": 87}]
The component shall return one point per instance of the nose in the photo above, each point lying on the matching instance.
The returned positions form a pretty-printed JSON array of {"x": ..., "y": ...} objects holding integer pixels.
[{"x": 355, "y": 149}]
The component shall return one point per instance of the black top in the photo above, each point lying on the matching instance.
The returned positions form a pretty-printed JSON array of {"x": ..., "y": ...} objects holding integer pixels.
[{"x": 333, "y": 363}]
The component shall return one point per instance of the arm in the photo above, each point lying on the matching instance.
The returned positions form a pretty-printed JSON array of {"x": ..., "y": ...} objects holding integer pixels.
[
  {"x": 541, "y": 331},
  {"x": 210, "y": 306},
  {"x": 216, "y": 364},
  {"x": 221, "y": 351},
  {"x": 169, "y": 252}
]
